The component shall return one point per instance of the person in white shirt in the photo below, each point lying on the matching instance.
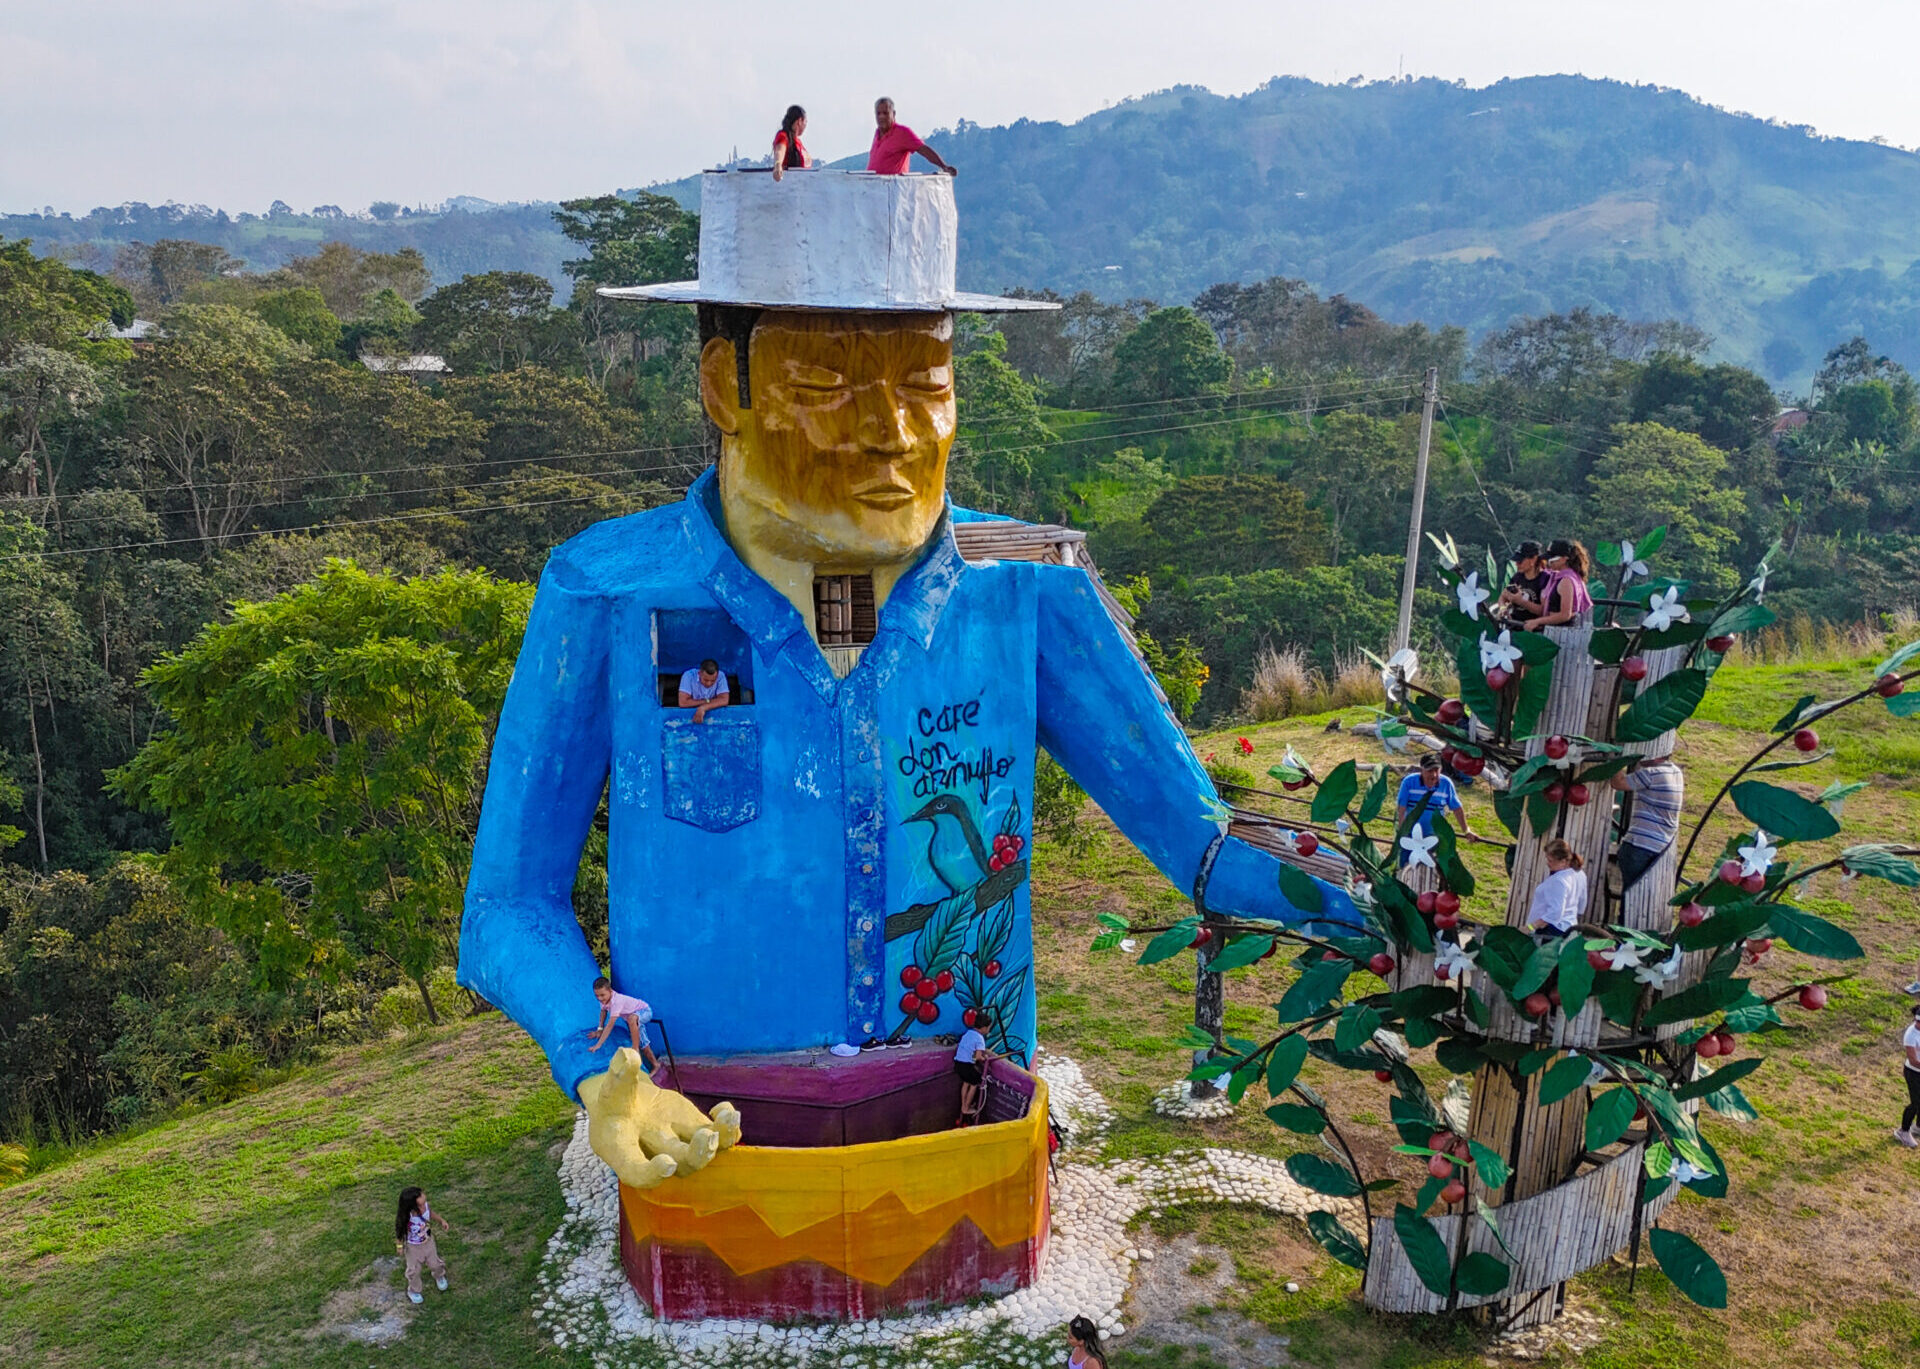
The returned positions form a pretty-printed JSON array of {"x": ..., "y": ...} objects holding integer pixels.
[
  {"x": 1560, "y": 898},
  {"x": 1909, "y": 1133},
  {"x": 969, "y": 1061},
  {"x": 704, "y": 690},
  {"x": 620, "y": 1007},
  {"x": 413, "y": 1237}
]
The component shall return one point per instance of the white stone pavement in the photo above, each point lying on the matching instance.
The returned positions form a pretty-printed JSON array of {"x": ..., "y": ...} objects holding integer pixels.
[{"x": 587, "y": 1303}]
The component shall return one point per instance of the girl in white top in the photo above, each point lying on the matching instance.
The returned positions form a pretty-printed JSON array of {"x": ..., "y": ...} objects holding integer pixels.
[
  {"x": 1560, "y": 898},
  {"x": 1910, "y": 1119},
  {"x": 1084, "y": 1348}
]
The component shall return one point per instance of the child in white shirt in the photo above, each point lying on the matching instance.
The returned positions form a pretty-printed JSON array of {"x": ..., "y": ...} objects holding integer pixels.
[{"x": 620, "y": 1007}]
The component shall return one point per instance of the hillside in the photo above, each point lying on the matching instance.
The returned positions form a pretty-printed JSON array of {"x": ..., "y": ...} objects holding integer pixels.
[
  {"x": 255, "y": 1232},
  {"x": 1425, "y": 199}
]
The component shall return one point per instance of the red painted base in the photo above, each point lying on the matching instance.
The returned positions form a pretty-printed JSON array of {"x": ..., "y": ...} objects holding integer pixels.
[{"x": 687, "y": 1283}]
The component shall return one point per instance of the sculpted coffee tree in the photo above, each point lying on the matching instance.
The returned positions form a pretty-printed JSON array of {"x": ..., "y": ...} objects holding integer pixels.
[{"x": 1589, "y": 1053}]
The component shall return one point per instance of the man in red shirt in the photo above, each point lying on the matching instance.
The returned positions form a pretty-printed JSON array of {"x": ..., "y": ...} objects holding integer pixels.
[{"x": 894, "y": 144}]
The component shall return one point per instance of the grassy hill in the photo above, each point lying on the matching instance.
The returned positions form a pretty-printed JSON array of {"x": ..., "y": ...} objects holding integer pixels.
[
  {"x": 257, "y": 1233},
  {"x": 1423, "y": 199}
]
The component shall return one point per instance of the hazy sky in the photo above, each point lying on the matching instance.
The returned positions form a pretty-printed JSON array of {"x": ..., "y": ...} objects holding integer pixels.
[{"x": 236, "y": 103}]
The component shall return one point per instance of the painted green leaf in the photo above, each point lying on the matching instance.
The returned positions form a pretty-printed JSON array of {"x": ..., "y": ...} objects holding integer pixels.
[
  {"x": 1336, "y": 791},
  {"x": 1321, "y": 1175},
  {"x": 1655, "y": 538},
  {"x": 1212, "y": 1069},
  {"x": 1566, "y": 1077},
  {"x": 1782, "y": 812},
  {"x": 1426, "y": 1252},
  {"x": 1751, "y": 1017},
  {"x": 1474, "y": 692},
  {"x": 1730, "y": 1102},
  {"x": 1458, "y": 1055},
  {"x": 1298, "y": 1117},
  {"x": 1539, "y": 969},
  {"x": 1113, "y": 920},
  {"x": 1242, "y": 1079},
  {"x": 1314, "y": 989},
  {"x": 1446, "y": 855},
  {"x": 1423, "y": 1000},
  {"x": 1606, "y": 553},
  {"x": 1531, "y": 699},
  {"x": 1490, "y": 1164},
  {"x": 1283, "y": 1065},
  {"x": 1899, "y": 658},
  {"x": 1742, "y": 618},
  {"x": 1904, "y": 705},
  {"x": 1107, "y": 940},
  {"x": 1715, "y": 1184},
  {"x": 1726, "y": 926},
  {"x": 1608, "y": 645},
  {"x": 1242, "y": 950},
  {"x": 1301, "y": 890},
  {"x": 1486, "y": 1215},
  {"x": 1375, "y": 800},
  {"x": 1191, "y": 1036},
  {"x": 1535, "y": 648},
  {"x": 1811, "y": 935},
  {"x": 1709, "y": 995},
  {"x": 1482, "y": 1275},
  {"x": 1170, "y": 942},
  {"x": 1791, "y": 718},
  {"x": 1878, "y": 862},
  {"x": 1693, "y": 1271},
  {"x": 1355, "y": 1027},
  {"x": 1662, "y": 706},
  {"x": 1607, "y": 1119},
  {"x": 1504, "y": 955},
  {"x": 1576, "y": 976},
  {"x": 1336, "y": 1240},
  {"x": 1463, "y": 628}
]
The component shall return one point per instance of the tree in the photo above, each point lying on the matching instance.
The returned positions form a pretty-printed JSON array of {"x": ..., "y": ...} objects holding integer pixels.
[
  {"x": 39, "y": 385},
  {"x": 385, "y": 327},
  {"x": 302, "y": 314},
  {"x": 1560, "y": 366},
  {"x": 1000, "y": 424},
  {"x": 45, "y": 301},
  {"x": 1729, "y": 406},
  {"x": 164, "y": 273},
  {"x": 1359, "y": 471},
  {"x": 1231, "y": 524},
  {"x": 493, "y": 321},
  {"x": 324, "y": 770},
  {"x": 638, "y": 241},
  {"x": 1654, "y": 475},
  {"x": 347, "y": 277},
  {"x": 533, "y": 414},
  {"x": 1069, "y": 350},
  {"x": 1171, "y": 355}
]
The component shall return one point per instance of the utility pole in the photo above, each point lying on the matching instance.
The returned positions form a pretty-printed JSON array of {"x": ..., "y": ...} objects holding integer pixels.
[{"x": 1428, "y": 399}]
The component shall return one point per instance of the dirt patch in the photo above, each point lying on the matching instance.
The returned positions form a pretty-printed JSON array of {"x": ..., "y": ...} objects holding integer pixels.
[
  {"x": 373, "y": 1310},
  {"x": 1181, "y": 1297}
]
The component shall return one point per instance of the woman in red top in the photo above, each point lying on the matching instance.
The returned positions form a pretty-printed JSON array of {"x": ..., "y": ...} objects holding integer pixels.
[{"x": 788, "y": 151}]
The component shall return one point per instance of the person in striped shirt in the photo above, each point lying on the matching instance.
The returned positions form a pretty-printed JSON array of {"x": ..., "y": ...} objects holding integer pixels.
[{"x": 1658, "y": 788}]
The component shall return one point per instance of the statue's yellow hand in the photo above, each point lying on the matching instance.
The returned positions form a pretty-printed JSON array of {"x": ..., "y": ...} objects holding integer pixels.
[{"x": 614, "y": 1122}]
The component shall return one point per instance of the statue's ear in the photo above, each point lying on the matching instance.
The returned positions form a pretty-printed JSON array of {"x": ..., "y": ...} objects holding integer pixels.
[{"x": 720, "y": 384}]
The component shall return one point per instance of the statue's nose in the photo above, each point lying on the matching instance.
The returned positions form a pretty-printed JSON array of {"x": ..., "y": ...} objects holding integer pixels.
[{"x": 883, "y": 425}]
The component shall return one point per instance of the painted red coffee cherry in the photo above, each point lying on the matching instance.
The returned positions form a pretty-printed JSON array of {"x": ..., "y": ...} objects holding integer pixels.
[
  {"x": 1201, "y": 937},
  {"x": 1440, "y": 1167},
  {"x": 968, "y": 1017},
  {"x": 1578, "y": 794},
  {"x": 1634, "y": 668},
  {"x": 1446, "y": 901},
  {"x": 910, "y": 1002},
  {"x": 1450, "y": 712},
  {"x": 1442, "y": 973},
  {"x": 1497, "y": 679},
  {"x": 929, "y": 1012},
  {"x": 1536, "y": 1005},
  {"x": 1291, "y": 785},
  {"x": 1707, "y": 1046},
  {"x": 1721, "y": 644},
  {"x": 945, "y": 981},
  {"x": 1813, "y": 997},
  {"x": 1556, "y": 748},
  {"x": 1553, "y": 997},
  {"x": 1470, "y": 766},
  {"x": 1753, "y": 884},
  {"x": 1692, "y": 915},
  {"x": 1806, "y": 739},
  {"x": 1731, "y": 872},
  {"x": 1381, "y": 964},
  {"x": 1556, "y": 792},
  {"x": 1449, "y": 758},
  {"x": 1599, "y": 961},
  {"x": 1453, "y": 1193},
  {"x": 1727, "y": 1042},
  {"x": 1441, "y": 1140},
  {"x": 910, "y": 976},
  {"x": 991, "y": 969},
  {"x": 927, "y": 988},
  {"x": 1759, "y": 946},
  {"x": 1306, "y": 843},
  {"x": 1384, "y": 1076},
  {"x": 1427, "y": 901},
  {"x": 1446, "y": 922},
  {"x": 1889, "y": 685}
]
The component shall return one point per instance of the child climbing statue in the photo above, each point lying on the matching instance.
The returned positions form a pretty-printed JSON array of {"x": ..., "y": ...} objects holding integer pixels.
[
  {"x": 620, "y": 1007},
  {"x": 413, "y": 1237},
  {"x": 969, "y": 1062}
]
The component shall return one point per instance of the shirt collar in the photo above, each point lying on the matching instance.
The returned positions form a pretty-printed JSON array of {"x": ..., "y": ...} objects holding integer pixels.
[{"x": 768, "y": 617}]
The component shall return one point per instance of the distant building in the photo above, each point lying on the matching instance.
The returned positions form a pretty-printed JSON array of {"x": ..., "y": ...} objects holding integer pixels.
[
  {"x": 1787, "y": 420},
  {"x": 418, "y": 366},
  {"x": 141, "y": 333}
]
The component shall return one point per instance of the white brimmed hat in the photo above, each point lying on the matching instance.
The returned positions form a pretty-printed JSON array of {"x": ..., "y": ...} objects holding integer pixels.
[{"x": 827, "y": 240}]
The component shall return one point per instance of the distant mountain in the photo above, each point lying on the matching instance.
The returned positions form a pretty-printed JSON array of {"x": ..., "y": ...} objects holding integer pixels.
[{"x": 1423, "y": 199}]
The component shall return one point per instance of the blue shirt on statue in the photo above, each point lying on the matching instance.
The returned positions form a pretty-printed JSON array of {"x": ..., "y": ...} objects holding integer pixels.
[{"x": 838, "y": 859}]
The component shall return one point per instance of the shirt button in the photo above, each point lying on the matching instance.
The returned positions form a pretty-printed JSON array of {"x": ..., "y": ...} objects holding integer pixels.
[
  {"x": 867, "y": 979},
  {"x": 866, "y": 924},
  {"x": 866, "y": 869}
]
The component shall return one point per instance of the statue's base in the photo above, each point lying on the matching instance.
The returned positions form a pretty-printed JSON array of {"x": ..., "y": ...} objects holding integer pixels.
[{"x": 852, "y": 1196}]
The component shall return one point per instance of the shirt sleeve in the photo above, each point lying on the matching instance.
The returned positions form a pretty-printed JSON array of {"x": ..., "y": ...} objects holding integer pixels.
[
  {"x": 521, "y": 946},
  {"x": 1102, "y": 718},
  {"x": 1451, "y": 796}
]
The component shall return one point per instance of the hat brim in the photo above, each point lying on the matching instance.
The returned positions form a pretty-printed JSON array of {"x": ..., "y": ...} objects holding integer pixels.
[{"x": 961, "y": 301}]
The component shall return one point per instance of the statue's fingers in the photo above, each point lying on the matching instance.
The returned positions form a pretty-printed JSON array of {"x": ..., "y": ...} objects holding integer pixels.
[
  {"x": 635, "y": 1167},
  {"x": 726, "y": 1121}
]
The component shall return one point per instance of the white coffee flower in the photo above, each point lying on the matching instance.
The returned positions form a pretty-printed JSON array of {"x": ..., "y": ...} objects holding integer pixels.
[
  {"x": 1661, "y": 975},
  {"x": 1624, "y": 957},
  {"x": 1499, "y": 652},
  {"x": 1755, "y": 859},
  {"x": 1419, "y": 848},
  {"x": 1629, "y": 567},
  {"x": 1664, "y": 610},
  {"x": 1471, "y": 595},
  {"x": 1452, "y": 957}
]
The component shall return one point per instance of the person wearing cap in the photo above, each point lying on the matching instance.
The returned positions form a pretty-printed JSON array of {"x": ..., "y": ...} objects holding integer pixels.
[
  {"x": 1525, "y": 594},
  {"x": 1567, "y": 596},
  {"x": 796, "y": 873},
  {"x": 1425, "y": 793},
  {"x": 894, "y": 144}
]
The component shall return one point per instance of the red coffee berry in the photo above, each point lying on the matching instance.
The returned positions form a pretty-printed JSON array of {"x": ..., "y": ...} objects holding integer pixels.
[
  {"x": 927, "y": 988},
  {"x": 1451, "y": 711},
  {"x": 1813, "y": 997},
  {"x": 1692, "y": 915},
  {"x": 1441, "y": 1140},
  {"x": 1634, "y": 668},
  {"x": 1707, "y": 1046},
  {"x": 1453, "y": 1193},
  {"x": 1578, "y": 794},
  {"x": 910, "y": 976},
  {"x": 1599, "y": 961},
  {"x": 1306, "y": 843},
  {"x": 1440, "y": 1167},
  {"x": 1384, "y": 1076},
  {"x": 1753, "y": 883},
  {"x": 1889, "y": 685},
  {"x": 945, "y": 981},
  {"x": 1427, "y": 901},
  {"x": 1556, "y": 792},
  {"x": 929, "y": 1012},
  {"x": 1446, "y": 922},
  {"x": 968, "y": 1017},
  {"x": 991, "y": 969},
  {"x": 1536, "y": 1005},
  {"x": 1556, "y": 748},
  {"x": 909, "y": 1002},
  {"x": 1721, "y": 644},
  {"x": 1381, "y": 964},
  {"x": 1201, "y": 937},
  {"x": 1760, "y": 946},
  {"x": 1806, "y": 739},
  {"x": 1731, "y": 872},
  {"x": 1446, "y": 901},
  {"x": 1497, "y": 679}
]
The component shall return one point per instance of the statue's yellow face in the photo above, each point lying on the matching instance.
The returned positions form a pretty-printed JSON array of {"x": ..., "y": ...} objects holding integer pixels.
[{"x": 841, "y": 461}]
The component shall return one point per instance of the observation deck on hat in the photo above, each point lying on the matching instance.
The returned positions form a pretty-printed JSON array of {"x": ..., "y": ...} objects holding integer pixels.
[{"x": 827, "y": 240}]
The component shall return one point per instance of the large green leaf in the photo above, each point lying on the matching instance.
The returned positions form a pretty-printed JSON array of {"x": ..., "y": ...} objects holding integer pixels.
[
  {"x": 1531, "y": 699},
  {"x": 1741, "y": 618},
  {"x": 1355, "y": 1027},
  {"x": 1662, "y": 706},
  {"x": 1283, "y": 1064},
  {"x": 1576, "y": 976},
  {"x": 1504, "y": 954},
  {"x": 1608, "y": 1116},
  {"x": 1726, "y": 926},
  {"x": 1899, "y": 658},
  {"x": 1880, "y": 863},
  {"x": 1730, "y": 1102},
  {"x": 1424, "y": 1000},
  {"x": 1709, "y": 995},
  {"x": 1904, "y": 705},
  {"x": 1490, "y": 1165},
  {"x": 1336, "y": 1240},
  {"x": 1483, "y": 1275},
  {"x": 1474, "y": 691},
  {"x": 1564, "y": 1078},
  {"x": 1459, "y": 1055},
  {"x": 1170, "y": 942},
  {"x": 1426, "y": 1252},
  {"x": 1321, "y": 1175},
  {"x": 1446, "y": 853},
  {"x": 1693, "y": 1271},
  {"x": 1791, "y": 718},
  {"x": 1535, "y": 648},
  {"x": 1298, "y": 1117},
  {"x": 1379, "y": 788},
  {"x": 1539, "y": 969},
  {"x": 1301, "y": 890},
  {"x": 1314, "y": 989},
  {"x": 1719, "y": 1079},
  {"x": 1336, "y": 791},
  {"x": 1242, "y": 950},
  {"x": 1812, "y": 935},
  {"x": 1782, "y": 812}
]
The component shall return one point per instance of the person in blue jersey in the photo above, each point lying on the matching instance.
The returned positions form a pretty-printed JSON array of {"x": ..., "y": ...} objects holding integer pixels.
[{"x": 1425, "y": 795}]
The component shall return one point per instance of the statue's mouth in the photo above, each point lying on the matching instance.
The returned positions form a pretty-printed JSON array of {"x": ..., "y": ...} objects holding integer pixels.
[{"x": 888, "y": 492}]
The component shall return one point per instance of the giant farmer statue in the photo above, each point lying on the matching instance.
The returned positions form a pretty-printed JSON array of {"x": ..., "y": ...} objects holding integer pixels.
[{"x": 839, "y": 855}]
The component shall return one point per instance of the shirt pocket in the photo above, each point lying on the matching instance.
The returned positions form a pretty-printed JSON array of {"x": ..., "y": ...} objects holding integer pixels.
[{"x": 711, "y": 770}]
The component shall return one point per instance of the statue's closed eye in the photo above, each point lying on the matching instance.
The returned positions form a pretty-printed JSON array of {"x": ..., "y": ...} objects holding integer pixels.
[
  {"x": 933, "y": 380},
  {"x": 816, "y": 378}
]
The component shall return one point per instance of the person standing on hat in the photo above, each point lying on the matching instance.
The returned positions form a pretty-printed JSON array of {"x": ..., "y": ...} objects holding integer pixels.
[{"x": 894, "y": 144}]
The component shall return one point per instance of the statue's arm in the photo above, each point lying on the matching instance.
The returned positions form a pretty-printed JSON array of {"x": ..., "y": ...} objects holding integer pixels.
[
  {"x": 521, "y": 946},
  {"x": 1102, "y": 719}
]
